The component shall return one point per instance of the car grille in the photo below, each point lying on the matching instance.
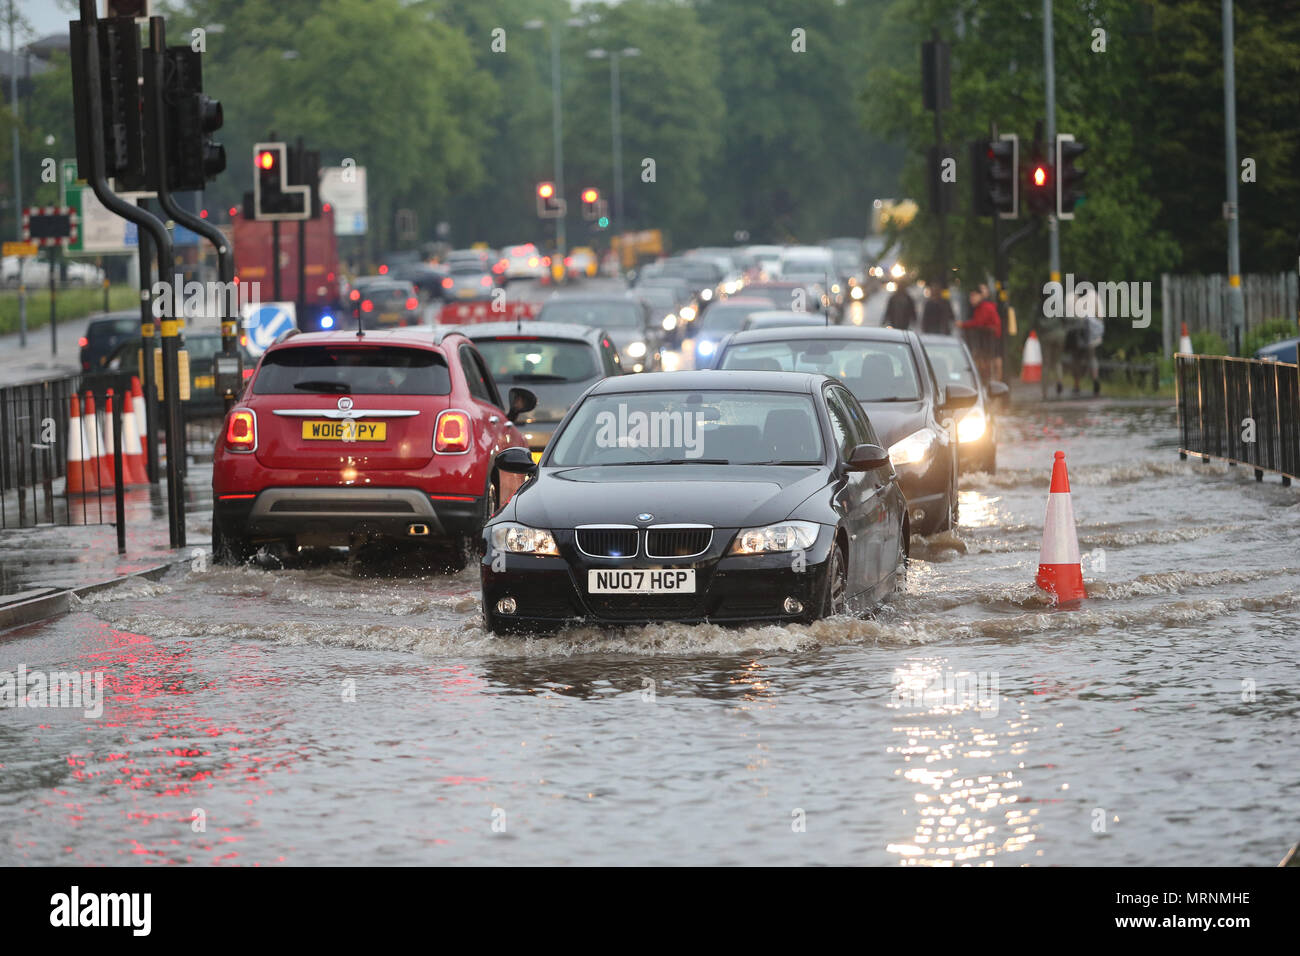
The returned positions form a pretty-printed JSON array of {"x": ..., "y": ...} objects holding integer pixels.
[
  {"x": 677, "y": 542},
  {"x": 607, "y": 542},
  {"x": 636, "y": 607}
]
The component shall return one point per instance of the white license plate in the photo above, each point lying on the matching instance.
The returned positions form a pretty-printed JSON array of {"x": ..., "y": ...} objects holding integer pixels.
[{"x": 641, "y": 581}]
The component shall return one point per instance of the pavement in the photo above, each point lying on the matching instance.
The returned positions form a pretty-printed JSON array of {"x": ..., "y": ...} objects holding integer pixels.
[{"x": 36, "y": 361}]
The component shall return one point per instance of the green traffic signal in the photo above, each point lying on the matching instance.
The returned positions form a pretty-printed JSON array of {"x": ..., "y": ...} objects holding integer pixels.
[{"x": 603, "y": 222}]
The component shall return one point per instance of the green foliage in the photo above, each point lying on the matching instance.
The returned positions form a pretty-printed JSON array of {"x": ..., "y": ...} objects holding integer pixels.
[
  {"x": 70, "y": 303},
  {"x": 1266, "y": 333},
  {"x": 1208, "y": 343}
]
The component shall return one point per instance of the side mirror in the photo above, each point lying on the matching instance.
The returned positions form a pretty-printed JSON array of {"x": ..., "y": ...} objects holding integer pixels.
[
  {"x": 867, "y": 457},
  {"x": 521, "y": 401},
  {"x": 998, "y": 390},
  {"x": 960, "y": 396},
  {"x": 517, "y": 461}
]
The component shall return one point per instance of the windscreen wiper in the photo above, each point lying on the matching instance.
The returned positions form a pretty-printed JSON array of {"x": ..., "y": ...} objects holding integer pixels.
[
  {"x": 320, "y": 385},
  {"x": 678, "y": 461},
  {"x": 814, "y": 461}
]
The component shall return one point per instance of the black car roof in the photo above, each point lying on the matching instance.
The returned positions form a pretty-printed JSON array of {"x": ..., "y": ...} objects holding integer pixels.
[
  {"x": 531, "y": 327},
  {"x": 708, "y": 380}
]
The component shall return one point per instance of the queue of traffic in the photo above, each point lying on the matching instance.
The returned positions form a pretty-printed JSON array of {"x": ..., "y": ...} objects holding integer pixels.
[{"x": 770, "y": 462}]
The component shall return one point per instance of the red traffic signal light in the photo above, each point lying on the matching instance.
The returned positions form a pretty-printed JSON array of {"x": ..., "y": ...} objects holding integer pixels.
[
  {"x": 1040, "y": 176},
  {"x": 545, "y": 190},
  {"x": 590, "y": 195},
  {"x": 266, "y": 159}
]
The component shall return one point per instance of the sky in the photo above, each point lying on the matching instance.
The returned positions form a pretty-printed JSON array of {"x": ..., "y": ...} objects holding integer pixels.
[{"x": 45, "y": 16}]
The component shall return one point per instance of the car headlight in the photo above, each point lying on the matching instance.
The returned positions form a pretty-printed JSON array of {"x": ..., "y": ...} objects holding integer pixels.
[
  {"x": 898, "y": 271},
  {"x": 912, "y": 449},
  {"x": 706, "y": 294},
  {"x": 521, "y": 539},
  {"x": 707, "y": 348},
  {"x": 687, "y": 313},
  {"x": 670, "y": 323},
  {"x": 972, "y": 426},
  {"x": 857, "y": 292},
  {"x": 636, "y": 349},
  {"x": 785, "y": 536}
]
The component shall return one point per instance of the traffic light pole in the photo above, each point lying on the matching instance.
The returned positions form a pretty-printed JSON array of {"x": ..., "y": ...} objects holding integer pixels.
[
  {"x": 146, "y": 356},
  {"x": 89, "y": 25},
  {"x": 275, "y": 258},
  {"x": 1049, "y": 67}
]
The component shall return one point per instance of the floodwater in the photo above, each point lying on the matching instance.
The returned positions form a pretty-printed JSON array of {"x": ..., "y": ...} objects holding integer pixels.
[{"x": 333, "y": 715}]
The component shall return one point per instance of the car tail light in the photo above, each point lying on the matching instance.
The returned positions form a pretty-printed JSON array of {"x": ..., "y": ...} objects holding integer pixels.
[
  {"x": 243, "y": 340},
  {"x": 383, "y": 270},
  {"x": 241, "y": 430},
  {"x": 499, "y": 268},
  {"x": 412, "y": 303},
  {"x": 568, "y": 260},
  {"x": 485, "y": 281},
  {"x": 248, "y": 373},
  {"x": 367, "y": 306},
  {"x": 83, "y": 342},
  {"x": 451, "y": 436},
  {"x": 546, "y": 261},
  {"x": 354, "y": 295},
  {"x": 447, "y": 283}
]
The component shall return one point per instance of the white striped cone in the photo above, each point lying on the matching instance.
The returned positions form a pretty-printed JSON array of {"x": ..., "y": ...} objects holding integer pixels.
[
  {"x": 1060, "y": 571},
  {"x": 141, "y": 426},
  {"x": 1185, "y": 342},
  {"x": 1031, "y": 362},
  {"x": 81, "y": 478},
  {"x": 133, "y": 464}
]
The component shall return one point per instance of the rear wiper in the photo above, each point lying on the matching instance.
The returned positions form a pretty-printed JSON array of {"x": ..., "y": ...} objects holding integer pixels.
[
  {"x": 536, "y": 377},
  {"x": 320, "y": 385},
  {"x": 893, "y": 398},
  {"x": 680, "y": 461},
  {"x": 790, "y": 462}
]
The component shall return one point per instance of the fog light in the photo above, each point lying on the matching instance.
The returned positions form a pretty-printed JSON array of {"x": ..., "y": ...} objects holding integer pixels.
[
  {"x": 793, "y": 606},
  {"x": 506, "y": 606}
]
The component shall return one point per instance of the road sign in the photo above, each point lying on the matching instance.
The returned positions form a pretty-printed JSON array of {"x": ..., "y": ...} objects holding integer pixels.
[
  {"x": 265, "y": 322},
  {"x": 99, "y": 230},
  {"x": 344, "y": 188},
  {"x": 50, "y": 225},
  {"x": 20, "y": 249}
]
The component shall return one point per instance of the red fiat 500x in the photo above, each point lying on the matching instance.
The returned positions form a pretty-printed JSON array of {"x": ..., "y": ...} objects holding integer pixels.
[{"x": 349, "y": 439}]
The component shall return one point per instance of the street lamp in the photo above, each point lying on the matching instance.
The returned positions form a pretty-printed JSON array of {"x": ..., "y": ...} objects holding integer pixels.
[
  {"x": 616, "y": 123},
  {"x": 557, "y": 118}
]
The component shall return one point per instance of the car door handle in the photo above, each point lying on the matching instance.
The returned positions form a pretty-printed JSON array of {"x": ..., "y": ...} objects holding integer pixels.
[{"x": 492, "y": 419}]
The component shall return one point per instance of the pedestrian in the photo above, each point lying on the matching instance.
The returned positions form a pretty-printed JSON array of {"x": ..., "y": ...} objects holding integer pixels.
[
  {"x": 900, "y": 310},
  {"x": 937, "y": 317},
  {"x": 1085, "y": 336},
  {"x": 983, "y": 331},
  {"x": 1051, "y": 336}
]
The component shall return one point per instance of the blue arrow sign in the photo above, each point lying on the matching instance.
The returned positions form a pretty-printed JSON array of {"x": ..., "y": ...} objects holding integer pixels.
[{"x": 267, "y": 322}]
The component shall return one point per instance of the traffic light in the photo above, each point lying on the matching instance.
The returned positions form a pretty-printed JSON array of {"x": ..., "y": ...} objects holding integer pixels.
[
  {"x": 590, "y": 204},
  {"x": 603, "y": 222},
  {"x": 304, "y": 170},
  {"x": 1068, "y": 178},
  {"x": 1040, "y": 185},
  {"x": 192, "y": 117},
  {"x": 549, "y": 205},
  {"x": 273, "y": 196},
  {"x": 125, "y": 158},
  {"x": 1001, "y": 184}
]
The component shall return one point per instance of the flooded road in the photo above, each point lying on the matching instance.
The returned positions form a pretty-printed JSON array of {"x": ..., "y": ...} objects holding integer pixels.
[{"x": 330, "y": 715}]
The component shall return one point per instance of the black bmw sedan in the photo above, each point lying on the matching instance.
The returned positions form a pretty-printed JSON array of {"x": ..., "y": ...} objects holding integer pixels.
[
  {"x": 698, "y": 496},
  {"x": 887, "y": 370}
]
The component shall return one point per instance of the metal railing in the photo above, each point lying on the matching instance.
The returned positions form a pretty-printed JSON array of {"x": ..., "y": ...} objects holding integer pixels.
[{"x": 1242, "y": 411}]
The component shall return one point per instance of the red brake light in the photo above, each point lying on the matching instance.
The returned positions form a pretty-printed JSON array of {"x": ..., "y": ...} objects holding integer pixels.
[
  {"x": 485, "y": 281},
  {"x": 452, "y": 434},
  {"x": 447, "y": 283},
  {"x": 546, "y": 261},
  {"x": 241, "y": 430},
  {"x": 412, "y": 303},
  {"x": 354, "y": 295},
  {"x": 83, "y": 342},
  {"x": 383, "y": 270},
  {"x": 367, "y": 306},
  {"x": 248, "y": 373},
  {"x": 568, "y": 260}
]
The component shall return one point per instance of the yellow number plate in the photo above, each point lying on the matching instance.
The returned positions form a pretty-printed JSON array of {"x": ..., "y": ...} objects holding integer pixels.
[
  {"x": 389, "y": 318},
  {"x": 345, "y": 431}
]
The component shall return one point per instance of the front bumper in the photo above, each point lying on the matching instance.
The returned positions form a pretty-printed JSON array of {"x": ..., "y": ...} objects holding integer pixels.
[
  {"x": 337, "y": 515},
  {"x": 551, "y": 592}
]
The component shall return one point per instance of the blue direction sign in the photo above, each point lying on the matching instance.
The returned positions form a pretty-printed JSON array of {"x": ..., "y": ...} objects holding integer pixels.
[{"x": 265, "y": 322}]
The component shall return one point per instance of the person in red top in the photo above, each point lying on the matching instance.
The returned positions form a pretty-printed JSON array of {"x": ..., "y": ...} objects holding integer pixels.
[{"x": 983, "y": 330}]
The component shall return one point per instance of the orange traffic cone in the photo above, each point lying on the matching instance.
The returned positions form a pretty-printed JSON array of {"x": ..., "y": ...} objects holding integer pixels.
[
  {"x": 98, "y": 449},
  {"x": 1031, "y": 363},
  {"x": 1185, "y": 342},
  {"x": 1060, "y": 571},
  {"x": 132, "y": 456},
  {"x": 141, "y": 426},
  {"x": 81, "y": 472}
]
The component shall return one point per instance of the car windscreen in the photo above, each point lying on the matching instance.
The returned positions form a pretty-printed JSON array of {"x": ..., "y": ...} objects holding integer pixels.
[
  {"x": 722, "y": 319},
  {"x": 806, "y": 265},
  {"x": 600, "y": 315},
  {"x": 201, "y": 347},
  {"x": 708, "y": 426},
  {"x": 783, "y": 321},
  {"x": 872, "y": 371},
  {"x": 950, "y": 365},
  {"x": 524, "y": 360},
  {"x": 355, "y": 370},
  {"x": 106, "y": 329},
  {"x": 464, "y": 268}
]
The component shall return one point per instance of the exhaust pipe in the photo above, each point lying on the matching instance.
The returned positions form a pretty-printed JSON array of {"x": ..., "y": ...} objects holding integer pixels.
[{"x": 418, "y": 530}]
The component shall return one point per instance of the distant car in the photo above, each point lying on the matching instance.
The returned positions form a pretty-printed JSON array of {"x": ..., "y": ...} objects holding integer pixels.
[
  {"x": 702, "y": 276},
  {"x": 1284, "y": 351},
  {"x": 347, "y": 440},
  {"x": 427, "y": 279},
  {"x": 717, "y": 323},
  {"x": 582, "y": 261},
  {"x": 798, "y": 296},
  {"x": 468, "y": 282},
  {"x": 776, "y": 319},
  {"x": 775, "y": 503},
  {"x": 663, "y": 303},
  {"x": 524, "y": 261},
  {"x": 104, "y": 334},
  {"x": 626, "y": 319},
  {"x": 556, "y": 362},
  {"x": 888, "y": 372},
  {"x": 36, "y": 273},
  {"x": 202, "y": 347},
  {"x": 977, "y": 426},
  {"x": 386, "y": 304}
]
